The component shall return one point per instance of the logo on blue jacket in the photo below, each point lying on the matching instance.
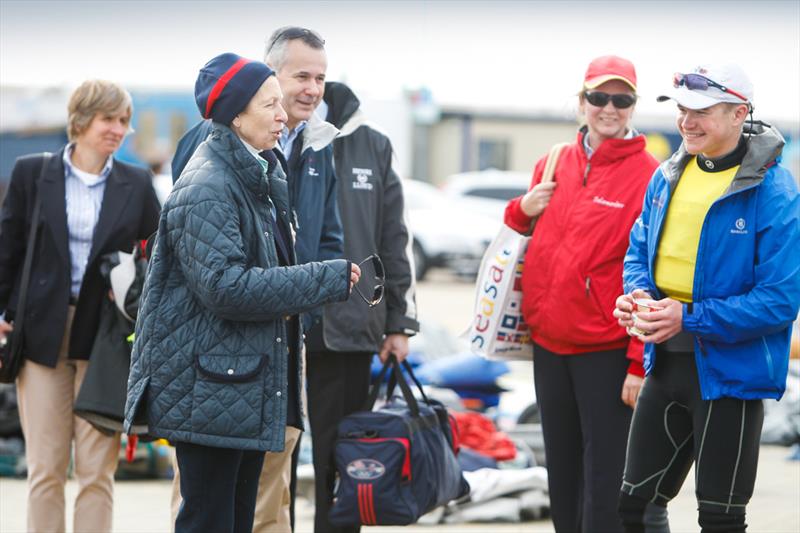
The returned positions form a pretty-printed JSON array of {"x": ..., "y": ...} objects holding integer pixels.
[
  {"x": 365, "y": 469},
  {"x": 739, "y": 227}
]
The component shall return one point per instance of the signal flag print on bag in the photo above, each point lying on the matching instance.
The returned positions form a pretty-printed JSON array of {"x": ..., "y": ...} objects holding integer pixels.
[{"x": 498, "y": 330}]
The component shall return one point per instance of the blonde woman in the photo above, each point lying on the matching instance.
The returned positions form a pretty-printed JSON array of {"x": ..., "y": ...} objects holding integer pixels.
[
  {"x": 91, "y": 204},
  {"x": 587, "y": 372}
]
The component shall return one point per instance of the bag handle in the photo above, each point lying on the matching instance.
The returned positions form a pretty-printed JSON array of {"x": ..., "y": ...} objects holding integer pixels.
[
  {"x": 375, "y": 387},
  {"x": 19, "y": 317},
  {"x": 398, "y": 378},
  {"x": 549, "y": 172},
  {"x": 410, "y": 372},
  {"x": 552, "y": 161}
]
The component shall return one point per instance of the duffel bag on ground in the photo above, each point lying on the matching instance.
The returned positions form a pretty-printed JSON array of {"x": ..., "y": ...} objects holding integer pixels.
[{"x": 398, "y": 462}]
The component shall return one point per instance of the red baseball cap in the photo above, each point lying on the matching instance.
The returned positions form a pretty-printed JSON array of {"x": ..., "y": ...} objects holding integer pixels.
[{"x": 608, "y": 68}]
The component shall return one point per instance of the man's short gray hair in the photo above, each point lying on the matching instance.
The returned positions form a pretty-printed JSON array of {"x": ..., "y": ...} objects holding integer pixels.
[{"x": 275, "y": 51}]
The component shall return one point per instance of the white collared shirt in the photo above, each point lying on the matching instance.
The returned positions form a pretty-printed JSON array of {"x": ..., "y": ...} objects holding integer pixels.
[
  {"x": 83, "y": 192},
  {"x": 288, "y": 137}
]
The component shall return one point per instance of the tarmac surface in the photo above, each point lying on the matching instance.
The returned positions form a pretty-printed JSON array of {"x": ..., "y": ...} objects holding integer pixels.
[{"x": 143, "y": 506}]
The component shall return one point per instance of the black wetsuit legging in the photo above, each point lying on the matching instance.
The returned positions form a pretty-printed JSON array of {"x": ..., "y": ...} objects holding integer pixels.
[{"x": 673, "y": 426}]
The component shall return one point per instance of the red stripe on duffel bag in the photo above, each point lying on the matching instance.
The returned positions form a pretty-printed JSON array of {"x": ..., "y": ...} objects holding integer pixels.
[
  {"x": 366, "y": 505},
  {"x": 371, "y": 506}
]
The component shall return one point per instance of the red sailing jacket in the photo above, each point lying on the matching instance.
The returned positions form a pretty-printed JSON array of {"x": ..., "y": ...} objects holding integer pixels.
[{"x": 573, "y": 266}]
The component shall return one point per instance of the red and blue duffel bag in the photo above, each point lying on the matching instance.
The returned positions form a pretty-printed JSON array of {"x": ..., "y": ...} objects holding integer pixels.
[{"x": 398, "y": 462}]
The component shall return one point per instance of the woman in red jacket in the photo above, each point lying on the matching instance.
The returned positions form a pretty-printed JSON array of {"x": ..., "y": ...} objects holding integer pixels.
[{"x": 588, "y": 371}]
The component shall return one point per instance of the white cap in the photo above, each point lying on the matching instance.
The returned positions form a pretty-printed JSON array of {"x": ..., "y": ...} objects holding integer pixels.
[{"x": 730, "y": 76}]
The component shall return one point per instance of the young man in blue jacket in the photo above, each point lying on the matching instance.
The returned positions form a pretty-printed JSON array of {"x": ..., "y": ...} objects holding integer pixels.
[{"x": 714, "y": 258}]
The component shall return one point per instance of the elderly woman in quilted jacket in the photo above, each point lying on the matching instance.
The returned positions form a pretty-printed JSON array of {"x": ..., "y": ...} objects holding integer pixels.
[{"x": 215, "y": 364}]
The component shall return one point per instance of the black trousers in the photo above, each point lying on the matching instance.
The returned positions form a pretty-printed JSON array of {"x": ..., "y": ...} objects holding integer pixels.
[
  {"x": 585, "y": 429},
  {"x": 673, "y": 427},
  {"x": 218, "y": 487},
  {"x": 338, "y": 385}
]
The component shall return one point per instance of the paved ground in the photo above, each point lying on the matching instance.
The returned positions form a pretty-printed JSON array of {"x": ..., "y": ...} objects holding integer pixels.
[{"x": 143, "y": 506}]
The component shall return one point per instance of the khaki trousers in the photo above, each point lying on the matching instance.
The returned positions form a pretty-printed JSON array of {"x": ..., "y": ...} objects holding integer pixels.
[
  {"x": 45, "y": 396},
  {"x": 274, "y": 498}
]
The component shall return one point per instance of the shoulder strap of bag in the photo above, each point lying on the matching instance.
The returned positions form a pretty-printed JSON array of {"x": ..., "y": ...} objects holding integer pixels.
[
  {"x": 19, "y": 317},
  {"x": 552, "y": 161},
  {"x": 549, "y": 171}
]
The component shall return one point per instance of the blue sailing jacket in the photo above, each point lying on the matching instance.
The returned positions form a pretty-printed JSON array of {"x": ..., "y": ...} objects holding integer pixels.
[{"x": 747, "y": 276}]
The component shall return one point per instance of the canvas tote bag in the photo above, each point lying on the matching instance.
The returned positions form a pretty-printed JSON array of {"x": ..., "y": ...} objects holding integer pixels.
[{"x": 498, "y": 330}]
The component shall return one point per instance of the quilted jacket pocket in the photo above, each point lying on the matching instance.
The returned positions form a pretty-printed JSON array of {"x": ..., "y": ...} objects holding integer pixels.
[
  {"x": 228, "y": 396},
  {"x": 230, "y": 368}
]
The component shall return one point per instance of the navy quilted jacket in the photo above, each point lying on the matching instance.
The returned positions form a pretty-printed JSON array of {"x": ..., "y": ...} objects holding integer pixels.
[{"x": 209, "y": 364}]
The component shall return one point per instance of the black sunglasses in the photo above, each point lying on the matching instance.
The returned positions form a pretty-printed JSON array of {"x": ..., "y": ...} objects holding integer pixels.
[
  {"x": 600, "y": 99},
  {"x": 380, "y": 281}
]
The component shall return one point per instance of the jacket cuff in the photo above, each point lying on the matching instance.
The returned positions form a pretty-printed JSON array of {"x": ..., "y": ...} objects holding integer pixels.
[
  {"x": 516, "y": 219},
  {"x": 397, "y": 323},
  {"x": 347, "y": 289},
  {"x": 636, "y": 368},
  {"x": 689, "y": 320},
  {"x": 635, "y": 353}
]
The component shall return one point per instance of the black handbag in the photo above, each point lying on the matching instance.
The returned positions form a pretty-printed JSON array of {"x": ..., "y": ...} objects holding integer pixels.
[
  {"x": 12, "y": 347},
  {"x": 102, "y": 396}
]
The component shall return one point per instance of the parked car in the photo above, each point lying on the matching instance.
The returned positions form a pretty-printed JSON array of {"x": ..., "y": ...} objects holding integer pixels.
[
  {"x": 487, "y": 191},
  {"x": 446, "y": 231}
]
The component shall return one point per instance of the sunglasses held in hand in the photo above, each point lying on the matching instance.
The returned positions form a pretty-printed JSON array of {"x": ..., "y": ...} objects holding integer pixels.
[
  {"x": 379, "y": 280},
  {"x": 601, "y": 99}
]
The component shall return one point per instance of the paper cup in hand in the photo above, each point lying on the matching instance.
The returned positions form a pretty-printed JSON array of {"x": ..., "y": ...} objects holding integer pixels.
[{"x": 641, "y": 305}]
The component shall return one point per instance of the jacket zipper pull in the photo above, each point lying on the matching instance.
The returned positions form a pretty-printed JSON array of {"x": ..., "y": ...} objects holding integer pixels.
[
  {"x": 586, "y": 173},
  {"x": 295, "y": 221},
  {"x": 588, "y": 284}
]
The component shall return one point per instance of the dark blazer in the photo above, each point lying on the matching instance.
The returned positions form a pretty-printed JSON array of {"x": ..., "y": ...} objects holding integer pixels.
[{"x": 129, "y": 213}]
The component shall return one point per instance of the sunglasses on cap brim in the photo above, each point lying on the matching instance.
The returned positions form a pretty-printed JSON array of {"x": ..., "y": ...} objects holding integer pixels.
[{"x": 698, "y": 82}]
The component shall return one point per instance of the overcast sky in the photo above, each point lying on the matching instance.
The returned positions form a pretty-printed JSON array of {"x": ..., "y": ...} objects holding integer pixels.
[{"x": 514, "y": 55}]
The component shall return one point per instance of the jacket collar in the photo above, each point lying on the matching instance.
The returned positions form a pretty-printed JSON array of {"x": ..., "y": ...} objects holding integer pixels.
[
  {"x": 54, "y": 208},
  {"x": 54, "y": 204},
  {"x": 115, "y": 201},
  {"x": 318, "y": 134},
  {"x": 231, "y": 149},
  {"x": 764, "y": 147},
  {"x": 612, "y": 150}
]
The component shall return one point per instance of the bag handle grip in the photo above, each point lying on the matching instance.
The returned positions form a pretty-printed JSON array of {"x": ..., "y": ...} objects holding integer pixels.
[
  {"x": 395, "y": 378},
  {"x": 549, "y": 172}
]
